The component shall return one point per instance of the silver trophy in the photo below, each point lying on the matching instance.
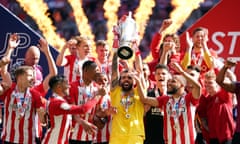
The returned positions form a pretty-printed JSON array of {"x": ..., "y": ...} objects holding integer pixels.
[{"x": 127, "y": 29}]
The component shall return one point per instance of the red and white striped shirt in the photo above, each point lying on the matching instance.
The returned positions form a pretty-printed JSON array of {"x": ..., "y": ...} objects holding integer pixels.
[
  {"x": 178, "y": 119},
  {"x": 80, "y": 94},
  {"x": 18, "y": 129},
  {"x": 60, "y": 116},
  {"x": 73, "y": 68},
  {"x": 104, "y": 134}
]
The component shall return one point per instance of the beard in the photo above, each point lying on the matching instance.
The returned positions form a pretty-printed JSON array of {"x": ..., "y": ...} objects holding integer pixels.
[
  {"x": 126, "y": 89},
  {"x": 173, "y": 91}
]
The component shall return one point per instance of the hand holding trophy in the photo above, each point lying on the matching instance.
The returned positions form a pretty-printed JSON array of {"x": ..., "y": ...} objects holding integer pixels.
[{"x": 126, "y": 32}]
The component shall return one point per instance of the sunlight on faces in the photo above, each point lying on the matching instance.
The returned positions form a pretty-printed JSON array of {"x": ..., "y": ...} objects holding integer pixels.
[
  {"x": 210, "y": 81},
  {"x": 73, "y": 46},
  {"x": 210, "y": 84},
  {"x": 168, "y": 39},
  {"x": 101, "y": 79},
  {"x": 172, "y": 39},
  {"x": 32, "y": 56},
  {"x": 194, "y": 74},
  {"x": 92, "y": 72},
  {"x": 199, "y": 36},
  {"x": 64, "y": 87},
  {"x": 102, "y": 52},
  {"x": 84, "y": 47},
  {"x": 161, "y": 76},
  {"x": 174, "y": 84},
  {"x": 126, "y": 80},
  {"x": 27, "y": 78}
]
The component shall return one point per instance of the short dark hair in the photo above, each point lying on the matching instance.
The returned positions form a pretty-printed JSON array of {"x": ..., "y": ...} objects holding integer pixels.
[
  {"x": 89, "y": 64},
  {"x": 205, "y": 30},
  {"x": 101, "y": 43},
  {"x": 21, "y": 70},
  {"x": 123, "y": 71},
  {"x": 196, "y": 68},
  {"x": 175, "y": 38},
  {"x": 161, "y": 66},
  {"x": 54, "y": 80}
]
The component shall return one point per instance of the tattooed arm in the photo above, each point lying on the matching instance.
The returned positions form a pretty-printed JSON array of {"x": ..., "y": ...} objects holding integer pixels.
[{"x": 115, "y": 72}]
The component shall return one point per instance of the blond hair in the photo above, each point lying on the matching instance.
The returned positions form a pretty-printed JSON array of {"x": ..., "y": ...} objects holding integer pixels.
[{"x": 210, "y": 74}]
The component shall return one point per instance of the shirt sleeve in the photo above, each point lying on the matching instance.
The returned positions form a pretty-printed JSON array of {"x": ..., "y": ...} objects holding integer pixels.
[
  {"x": 186, "y": 60},
  {"x": 225, "y": 96},
  {"x": 155, "y": 45},
  {"x": 7, "y": 92},
  {"x": 37, "y": 100},
  {"x": 65, "y": 108},
  {"x": 73, "y": 92},
  {"x": 162, "y": 101},
  {"x": 40, "y": 89},
  {"x": 202, "y": 107},
  {"x": 192, "y": 99},
  {"x": 69, "y": 59}
]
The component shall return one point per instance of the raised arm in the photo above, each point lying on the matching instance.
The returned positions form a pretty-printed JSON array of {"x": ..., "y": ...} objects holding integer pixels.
[
  {"x": 6, "y": 78},
  {"x": 115, "y": 59},
  {"x": 115, "y": 72},
  {"x": 155, "y": 43},
  {"x": 186, "y": 61},
  {"x": 196, "y": 89},
  {"x": 152, "y": 101},
  {"x": 206, "y": 53},
  {"x": 168, "y": 49},
  {"x": 139, "y": 65},
  {"x": 43, "y": 45},
  {"x": 221, "y": 76},
  {"x": 61, "y": 60},
  {"x": 13, "y": 42}
]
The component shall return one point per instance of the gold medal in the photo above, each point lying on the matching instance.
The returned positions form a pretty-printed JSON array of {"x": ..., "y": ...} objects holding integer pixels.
[
  {"x": 20, "y": 117},
  {"x": 176, "y": 126},
  {"x": 126, "y": 102},
  {"x": 127, "y": 115}
]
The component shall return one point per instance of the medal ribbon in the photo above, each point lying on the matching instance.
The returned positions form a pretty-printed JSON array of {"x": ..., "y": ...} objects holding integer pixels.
[
  {"x": 175, "y": 107},
  {"x": 126, "y": 102},
  {"x": 22, "y": 106},
  {"x": 86, "y": 95}
]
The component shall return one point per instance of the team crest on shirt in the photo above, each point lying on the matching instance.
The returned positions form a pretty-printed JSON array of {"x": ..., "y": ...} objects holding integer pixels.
[
  {"x": 15, "y": 107},
  {"x": 175, "y": 109},
  {"x": 85, "y": 93},
  {"x": 104, "y": 105}
]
